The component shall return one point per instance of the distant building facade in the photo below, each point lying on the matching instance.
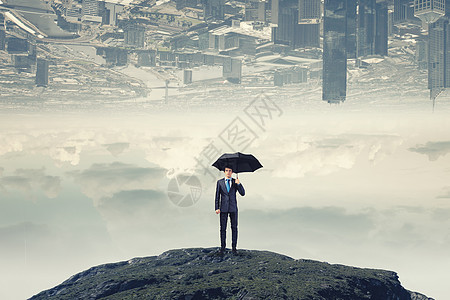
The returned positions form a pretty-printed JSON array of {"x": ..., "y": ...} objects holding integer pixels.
[
  {"x": 232, "y": 69},
  {"x": 180, "y": 4},
  {"x": 366, "y": 27},
  {"x": 42, "y": 72},
  {"x": 91, "y": 7},
  {"x": 309, "y": 11},
  {"x": 114, "y": 56},
  {"x": 296, "y": 27},
  {"x": 187, "y": 76},
  {"x": 213, "y": 9},
  {"x": 92, "y": 11},
  {"x": 422, "y": 54},
  {"x": 438, "y": 58},
  {"x": 334, "y": 82},
  {"x": 255, "y": 10},
  {"x": 147, "y": 58},
  {"x": 369, "y": 34},
  {"x": 381, "y": 28},
  {"x": 134, "y": 35},
  {"x": 290, "y": 75},
  {"x": 111, "y": 12},
  {"x": 352, "y": 27},
  {"x": 17, "y": 45},
  {"x": 73, "y": 12},
  {"x": 2, "y": 39},
  {"x": 429, "y": 10},
  {"x": 404, "y": 12}
]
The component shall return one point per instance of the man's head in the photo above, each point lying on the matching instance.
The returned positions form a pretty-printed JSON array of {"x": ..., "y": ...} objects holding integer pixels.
[{"x": 228, "y": 171}]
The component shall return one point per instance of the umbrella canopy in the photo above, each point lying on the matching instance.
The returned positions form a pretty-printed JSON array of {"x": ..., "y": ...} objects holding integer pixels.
[{"x": 238, "y": 162}]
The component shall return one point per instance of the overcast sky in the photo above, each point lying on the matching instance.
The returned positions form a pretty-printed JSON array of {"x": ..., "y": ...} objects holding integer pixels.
[{"x": 345, "y": 184}]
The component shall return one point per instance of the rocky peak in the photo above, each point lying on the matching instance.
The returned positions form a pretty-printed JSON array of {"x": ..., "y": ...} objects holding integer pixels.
[{"x": 201, "y": 273}]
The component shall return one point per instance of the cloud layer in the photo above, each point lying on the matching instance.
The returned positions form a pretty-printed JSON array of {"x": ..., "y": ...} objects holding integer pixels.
[
  {"x": 434, "y": 150},
  {"x": 29, "y": 181}
]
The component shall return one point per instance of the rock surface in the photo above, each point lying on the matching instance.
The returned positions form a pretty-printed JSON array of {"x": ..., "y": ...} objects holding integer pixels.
[{"x": 201, "y": 273}]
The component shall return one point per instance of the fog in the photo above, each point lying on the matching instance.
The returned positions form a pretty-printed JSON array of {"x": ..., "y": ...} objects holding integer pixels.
[{"x": 364, "y": 183}]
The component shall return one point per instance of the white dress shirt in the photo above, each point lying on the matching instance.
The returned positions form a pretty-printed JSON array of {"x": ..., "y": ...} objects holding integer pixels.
[{"x": 231, "y": 181}]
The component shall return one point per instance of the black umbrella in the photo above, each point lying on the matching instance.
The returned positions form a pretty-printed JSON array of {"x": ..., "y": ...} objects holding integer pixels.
[{"x": 238, "y": 162}]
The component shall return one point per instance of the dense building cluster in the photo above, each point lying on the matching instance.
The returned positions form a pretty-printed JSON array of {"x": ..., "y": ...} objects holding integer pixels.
[{"x": 184, "y": 34}]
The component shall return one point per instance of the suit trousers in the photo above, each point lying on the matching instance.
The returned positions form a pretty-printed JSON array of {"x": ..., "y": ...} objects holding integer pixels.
[{"x": 223, "y": 228}]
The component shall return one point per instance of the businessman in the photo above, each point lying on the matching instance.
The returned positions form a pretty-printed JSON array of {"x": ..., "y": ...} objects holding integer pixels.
[{"x": 226, "y": 205}]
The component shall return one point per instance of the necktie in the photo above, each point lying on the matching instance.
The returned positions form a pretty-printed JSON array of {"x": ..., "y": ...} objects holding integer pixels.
[{"x": 228, "y": 185}]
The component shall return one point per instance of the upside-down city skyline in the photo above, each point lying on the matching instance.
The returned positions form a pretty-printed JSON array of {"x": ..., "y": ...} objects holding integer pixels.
[{"x": 113, "y": 111}]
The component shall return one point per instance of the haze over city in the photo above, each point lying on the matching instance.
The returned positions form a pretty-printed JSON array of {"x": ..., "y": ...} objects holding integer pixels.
[{"x": 108, "y": 106}]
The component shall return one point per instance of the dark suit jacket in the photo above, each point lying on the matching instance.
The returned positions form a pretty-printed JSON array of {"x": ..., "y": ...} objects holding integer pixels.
[{"x": 226, "y": 201}]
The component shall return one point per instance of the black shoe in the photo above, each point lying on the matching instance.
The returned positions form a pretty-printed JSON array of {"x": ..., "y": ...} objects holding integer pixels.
[
  {"x": 221, "y": 252},
  {"x": 234, "y": 251}
]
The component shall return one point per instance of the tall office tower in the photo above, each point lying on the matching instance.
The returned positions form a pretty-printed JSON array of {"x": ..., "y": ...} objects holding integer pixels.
[
  {"x": 429, "y": 10},
  {"x": 287, "y": 22},
  {"x": 2, "y": 39},
  {"x": 400, "y": 10},
  {"x": 381, "y": 28},
  {"x": 334, "y": 82},
  {"x": 366, "y": 27},
  {"x": 284, "y": 20},
  {"x": 289, "y": 29},
  {"x": 351, "y": 28},
  {"x": 446, "y": 21},
  {"x": 371, "y": 28},
  {"x": 437, "y": 57},
  {"x": 42, "y": 72},
  {"x": 308, "y": 24},
  {"x": 213, "y": 9},
  {"x": 404, "y": 11}
]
